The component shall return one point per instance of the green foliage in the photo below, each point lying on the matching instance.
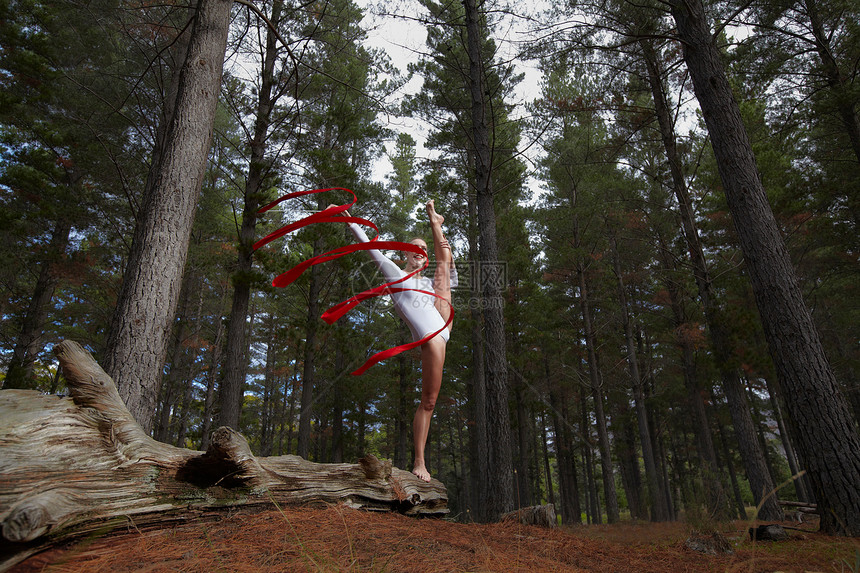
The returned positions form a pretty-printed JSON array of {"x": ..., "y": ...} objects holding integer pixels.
[{"x": 81, "y": 94}]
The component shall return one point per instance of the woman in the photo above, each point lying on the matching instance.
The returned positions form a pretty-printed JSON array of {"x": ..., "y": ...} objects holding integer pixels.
[{"x": 424, "y": 315}]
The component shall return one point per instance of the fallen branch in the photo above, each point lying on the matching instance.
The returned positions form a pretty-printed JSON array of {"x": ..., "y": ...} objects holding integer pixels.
[
  {"x": 72, "y": 466},
  {"x": 801, "y": 506}
]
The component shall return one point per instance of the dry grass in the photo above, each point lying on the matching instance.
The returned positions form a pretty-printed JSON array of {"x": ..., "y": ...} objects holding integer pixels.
[{"x": 340, "y": 539}]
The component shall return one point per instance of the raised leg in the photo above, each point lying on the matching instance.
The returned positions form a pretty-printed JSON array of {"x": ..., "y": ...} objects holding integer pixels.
[
  {"x": 444, "y": 260},
  {"x": 432, "y": 363}
]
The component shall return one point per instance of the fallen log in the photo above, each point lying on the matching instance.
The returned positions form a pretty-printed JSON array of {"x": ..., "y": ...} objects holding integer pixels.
[
  {"x": 70, "y": 466},
  {"x": 801, "y": 506}
]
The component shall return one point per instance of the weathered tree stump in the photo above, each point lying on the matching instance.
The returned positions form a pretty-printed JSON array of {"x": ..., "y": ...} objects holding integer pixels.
[
  {"x": 72, "y": 466},
  {"x": 542, "y": 515}
]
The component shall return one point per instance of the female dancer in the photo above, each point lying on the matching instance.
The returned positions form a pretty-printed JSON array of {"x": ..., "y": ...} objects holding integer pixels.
[{"x": 424, "y": 315}]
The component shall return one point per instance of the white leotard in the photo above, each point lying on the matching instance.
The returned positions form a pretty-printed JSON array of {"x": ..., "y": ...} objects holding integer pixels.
[{"x": 416, "y": 309}]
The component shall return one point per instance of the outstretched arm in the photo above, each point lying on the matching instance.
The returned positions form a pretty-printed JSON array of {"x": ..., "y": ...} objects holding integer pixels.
[{"x": 389, "y": 270}]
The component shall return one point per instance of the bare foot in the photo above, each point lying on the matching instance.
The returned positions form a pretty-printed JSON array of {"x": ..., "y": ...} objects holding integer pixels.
[
  {"x": 435, "y": 218},
  {"x": 421, "y": 473}
]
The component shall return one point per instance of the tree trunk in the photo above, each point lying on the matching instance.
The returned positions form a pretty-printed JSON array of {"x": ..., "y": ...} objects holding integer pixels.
[
  {"x": 660, "y": 454},
  {"x": 29, "y": 343},
  {"x": 212, "y": 375},
  {"x": 568, "y": 486},
  {"x": 477, "y": 385},
  {"x": 606, "y": 466},
  {"x": 78, "y": 465},
  {"x": 787, "y": 443},
  {"x": 500, "y": 479},
  {"x": 236, "y": 361},
  {"x": 523, "y": 481},
  {"x": 714, "y": 492},
  {"x": 761, "y": 484},
  {"x": 291, "y": 415},
  {"x": 628, "y": 464},
  {"x": 752, "y": 455},
  {"x": 338, "y": 392},
  {"x": 828, "y": 442},
  {"x": 270, "y": 401},
  {"x": 404, "y": 407},
  {"x": 760, "y": 422},
  {"x": 655, "y": 493},
  {"x": 141, "y": 323},
  {"x": 309, "y": 368},
  {"x": 592, "y": 497},
  {"x": 191, "y": 371},
  {"x": 171, "y": 382},
  {"x": 362, "y": 425},
  {"x": 544, "y": 443},
  {"x": 730, "y": 467}
]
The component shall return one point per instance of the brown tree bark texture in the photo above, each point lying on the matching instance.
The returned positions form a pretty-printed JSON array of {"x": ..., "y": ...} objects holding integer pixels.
[
  {"x": 77, "y": 465},
  {"x": 499, "y": 456},
  {"x": 141, "y": 324},
  {"x": 827, "y": 438}
]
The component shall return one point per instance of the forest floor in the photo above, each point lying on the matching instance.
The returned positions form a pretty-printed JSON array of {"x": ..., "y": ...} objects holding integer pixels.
[{"x": 340, "y": 539}]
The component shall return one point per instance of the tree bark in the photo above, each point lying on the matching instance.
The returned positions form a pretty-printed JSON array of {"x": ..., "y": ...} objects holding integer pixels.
[
  {"x": 500, "y": 478},
  {"x": 477, "y": 384},
  {"x": 544, "y": 444},
  {"x": 402, "y": 425},
  {"x": 211, "y": 374},
  {"x": 828, "y": 442},
  {"x": 730, "y": 467},
  {"x": 524, "y": 480},
  {"x": 787, "y": 443},
  {"x": 236, "y": 363},
  {"x": 606, "y": 465},
  {"x": 751, "y": 454},
  {"x": 628, "y": 465},
  {"x": 144, "y": 313},
  {"x": 655, "y": 492},
  {"x": 568, "y": 486},
  {"x": 74, "y": 466},
  {"x": 338, "y": 391},
  {"x": 714, "y": 492},
  {"x": 592, "y": 498},
  {"x": 309, "y": 366}
]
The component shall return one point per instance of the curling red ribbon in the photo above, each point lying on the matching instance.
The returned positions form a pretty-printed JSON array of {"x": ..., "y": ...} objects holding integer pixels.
[{"x": 333, "y": 215}]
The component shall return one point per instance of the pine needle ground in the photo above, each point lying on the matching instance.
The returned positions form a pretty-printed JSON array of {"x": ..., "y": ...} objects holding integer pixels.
[{"x": 340, "y": 539}]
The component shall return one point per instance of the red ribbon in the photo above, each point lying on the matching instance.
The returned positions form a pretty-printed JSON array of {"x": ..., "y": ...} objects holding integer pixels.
[{"x": 333, "y": 215}]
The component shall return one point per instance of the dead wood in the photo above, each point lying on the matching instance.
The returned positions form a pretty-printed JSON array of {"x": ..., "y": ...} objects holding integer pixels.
[
  {"x": 543, "y": 515},
  {"x": 801, "y": 506},
  {"x": 70, "y": 466}
]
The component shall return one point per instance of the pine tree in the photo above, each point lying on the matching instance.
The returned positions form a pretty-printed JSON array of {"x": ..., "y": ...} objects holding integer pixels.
[
  {"x": 815, "y": 402},
  {"x": 140, "y": 327}
]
